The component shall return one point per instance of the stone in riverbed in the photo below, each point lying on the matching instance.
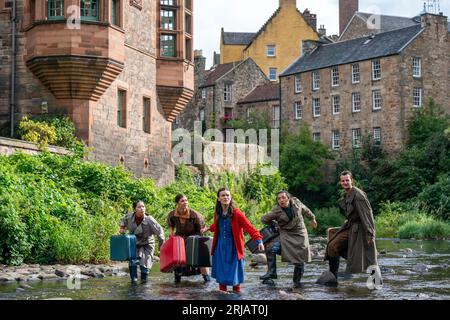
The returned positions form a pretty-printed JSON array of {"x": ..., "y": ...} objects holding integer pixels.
[
  {"x": 421, "y": 268},
  {"x": 327, "y": 279}
]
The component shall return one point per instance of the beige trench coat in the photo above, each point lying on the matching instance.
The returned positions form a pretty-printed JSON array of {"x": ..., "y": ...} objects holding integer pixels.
[
  {"x": 145, "y": 243},
  {"x": 293, "y": 234},
  {"x": 360, "y": 221}
]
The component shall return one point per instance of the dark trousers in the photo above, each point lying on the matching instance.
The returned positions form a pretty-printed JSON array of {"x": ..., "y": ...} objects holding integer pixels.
[{"x": 338, "y": 244}]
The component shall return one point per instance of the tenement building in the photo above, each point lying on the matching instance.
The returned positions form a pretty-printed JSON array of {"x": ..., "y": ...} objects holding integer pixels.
[
  {"x": 121, "y": 70},
  {"x": 369, "y": 86},
  {"x": 218, "y": 91}
]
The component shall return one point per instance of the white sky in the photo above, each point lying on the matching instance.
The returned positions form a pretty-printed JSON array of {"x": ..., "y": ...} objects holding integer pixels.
[{"x": 250, "y": 15}]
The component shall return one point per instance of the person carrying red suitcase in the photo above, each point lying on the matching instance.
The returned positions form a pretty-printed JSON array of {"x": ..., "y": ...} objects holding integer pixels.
[
  {"x": 185, "y": 222},
  {"x": 144, "y": 228},
  {"x": 228, "y": 244}
]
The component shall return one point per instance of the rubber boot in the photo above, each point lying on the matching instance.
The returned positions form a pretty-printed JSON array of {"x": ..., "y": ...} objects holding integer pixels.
[
  {"x": 298, "y": 273},
  {"x": 177, "y": 276},
  {"x": 237, "y": 288},
  {"x": 334, "y": 265},
  {"x": 133, "y": 274},
  {"x": 271, "y": 267},
  {"x": 144, "y": 274},
  {"x": 206, "y": 278},
  {"x": 222, "y": 287}
]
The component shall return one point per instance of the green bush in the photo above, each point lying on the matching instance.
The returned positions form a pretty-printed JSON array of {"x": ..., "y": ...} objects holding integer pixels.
[
  {"x": 436, "y": 197},
  {"x": 408, "y": 220},
  {"x": 326, "y": 218},
  {"x": 37, "y": 132}
]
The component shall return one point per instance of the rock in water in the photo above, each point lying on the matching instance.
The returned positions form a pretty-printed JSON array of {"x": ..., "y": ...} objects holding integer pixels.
[
  {"x": 421, "y": 268},
  {"x": 259, "y": 259},
  {"x": 327, "y": 279}
]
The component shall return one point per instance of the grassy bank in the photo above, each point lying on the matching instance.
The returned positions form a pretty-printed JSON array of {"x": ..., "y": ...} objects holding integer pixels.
[
  {"x": 407, "y": 221},
  {"x": 63, "y": 209}
]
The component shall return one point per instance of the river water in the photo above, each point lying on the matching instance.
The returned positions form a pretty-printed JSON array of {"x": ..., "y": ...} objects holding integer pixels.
[{"x": 411, "y": 270}]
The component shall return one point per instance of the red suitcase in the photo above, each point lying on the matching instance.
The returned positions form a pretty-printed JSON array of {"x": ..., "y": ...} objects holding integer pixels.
[{"x": 173, "y": 254}]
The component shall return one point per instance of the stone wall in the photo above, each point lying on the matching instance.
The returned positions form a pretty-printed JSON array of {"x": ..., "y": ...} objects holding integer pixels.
[{"x": 11, "y": 146}]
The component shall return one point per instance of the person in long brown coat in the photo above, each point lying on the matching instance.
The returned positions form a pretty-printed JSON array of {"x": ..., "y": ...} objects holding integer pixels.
[
  {"x": 355, "y": 240},
  {"x": 293, "y": 242}
]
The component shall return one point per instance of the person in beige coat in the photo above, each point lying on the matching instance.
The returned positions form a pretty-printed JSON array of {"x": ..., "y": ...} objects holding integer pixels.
[
  {"x": 355, "y": 240},
  {"x": 144, "y": 227},
  {"x": 293, "y": 242}
]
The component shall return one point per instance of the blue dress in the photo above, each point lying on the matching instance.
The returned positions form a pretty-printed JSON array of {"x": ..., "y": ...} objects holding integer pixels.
[{"x": 226, "y": 268}]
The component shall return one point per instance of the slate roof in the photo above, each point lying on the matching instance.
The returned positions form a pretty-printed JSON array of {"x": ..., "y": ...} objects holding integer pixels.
[
  {"x": 237, "y": 38},
  {"x": 265, "y": 92},
  {"x": 217, "y": 72},
  {"x": 360, "y": 49},
  {"x": 389, "y": 23}
]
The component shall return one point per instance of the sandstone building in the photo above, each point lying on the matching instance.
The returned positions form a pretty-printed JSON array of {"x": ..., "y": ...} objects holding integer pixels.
[
  {"x": 277, "y": 44},
  {"x": 369, "y": 86},
  {"x": 122, "y": 72}
]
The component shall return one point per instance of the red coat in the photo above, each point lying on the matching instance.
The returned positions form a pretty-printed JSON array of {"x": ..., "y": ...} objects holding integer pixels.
[{"x": 239, "y": 223}]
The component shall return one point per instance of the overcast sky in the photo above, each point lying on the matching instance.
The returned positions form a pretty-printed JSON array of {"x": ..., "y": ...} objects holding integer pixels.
[{"x": 250, "y": 15}]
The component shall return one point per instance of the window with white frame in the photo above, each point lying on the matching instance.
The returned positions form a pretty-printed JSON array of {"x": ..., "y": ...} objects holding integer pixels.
[
  {"x": 316, "y": 136},
  {"x": 335, "y": 104},
  {"x": 417, "y": 97},
  {"x": 298, "y": 110},
  {"x": 202, "y": 115},
  {"x": 227, "y": 92},
  {"x": 356, "y": 138},
  {"x": 203, "y": 93},
  {"x": 335, "y": 140},
  {"x": 316, "y": 80},
  {"x": 298, "y": 84},
  {"x": 356, "y": 102},
  {"x": 376, "y": 69},
  {"x": 356, "y": 76},
  {"x": 376, "y": 99},
  {"x": 417, "y": 67},
  {"x": 335, "y": 77},
  {"x": 271, "y": 51},
  {"x": 273, "y": 74},
  {"x": 276, "y": 116},
  {"x": 316, "y": 107},
  {"x": 377, "y": 135}
]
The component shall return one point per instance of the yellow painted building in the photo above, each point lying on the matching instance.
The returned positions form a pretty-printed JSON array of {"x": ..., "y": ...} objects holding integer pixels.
[{"x": 276, "y": 45}]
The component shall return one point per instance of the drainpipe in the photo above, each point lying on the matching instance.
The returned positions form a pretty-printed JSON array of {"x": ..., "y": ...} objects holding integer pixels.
[{"x": 13, "y": 67}]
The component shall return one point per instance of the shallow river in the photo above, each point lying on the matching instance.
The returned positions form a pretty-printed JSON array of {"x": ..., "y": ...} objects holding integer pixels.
[{"x": 410, "y": 270}]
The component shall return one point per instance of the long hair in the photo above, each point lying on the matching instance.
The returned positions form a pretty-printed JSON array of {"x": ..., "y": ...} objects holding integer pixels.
[{"x": 219, "y": 205}]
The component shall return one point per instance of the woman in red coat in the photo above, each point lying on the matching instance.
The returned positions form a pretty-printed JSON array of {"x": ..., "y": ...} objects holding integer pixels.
[{"x": 228, "y": 243}]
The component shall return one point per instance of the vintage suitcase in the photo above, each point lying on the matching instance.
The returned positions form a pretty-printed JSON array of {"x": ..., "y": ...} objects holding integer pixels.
[
  {"x": 173, "y": 254},
  {"x": 268, "y": 233},
  {"x": 331, "y": 232},
  {"x": 198, "y": 251},
  {"x": 123, "y": 247}
]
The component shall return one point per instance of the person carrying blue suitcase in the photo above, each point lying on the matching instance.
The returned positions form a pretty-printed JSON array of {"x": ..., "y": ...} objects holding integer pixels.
[{"x": 144, "y": 227}]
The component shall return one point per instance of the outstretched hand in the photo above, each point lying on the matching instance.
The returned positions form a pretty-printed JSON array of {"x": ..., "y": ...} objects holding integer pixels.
[
  {"x": 314, "y": 224},
  {"x": 203, "y": 230},
  {"x": 261, "y": 247}
]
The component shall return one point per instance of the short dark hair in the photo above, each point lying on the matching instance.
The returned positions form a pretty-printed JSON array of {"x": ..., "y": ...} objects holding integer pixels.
[
  {"x": 136, "y": 203},
  {"x": 346, "y": 173},
  {"x": 179, "y": 197}
]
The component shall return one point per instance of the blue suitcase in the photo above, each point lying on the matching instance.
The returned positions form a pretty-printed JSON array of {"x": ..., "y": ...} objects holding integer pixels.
[{"x": 123, "y": 247}]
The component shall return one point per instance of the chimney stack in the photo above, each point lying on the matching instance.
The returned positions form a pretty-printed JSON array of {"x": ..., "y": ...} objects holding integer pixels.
[
  {"x": 288, "y": 3},
  {"x": 311, "y": 18},
  {"x": 347, "y": 9},
  {"x": 322, "y": 31}
]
